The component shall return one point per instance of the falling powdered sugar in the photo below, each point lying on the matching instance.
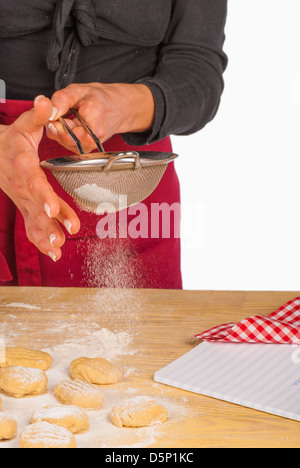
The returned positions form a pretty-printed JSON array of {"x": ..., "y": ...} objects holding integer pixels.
[{"x": 112, "y": 263}]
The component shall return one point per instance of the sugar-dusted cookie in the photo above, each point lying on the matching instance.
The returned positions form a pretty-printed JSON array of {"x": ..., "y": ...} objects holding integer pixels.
[
  {"x": 71, "y": 417},
  {"x": 138, "y": 412},
  {"x": 8, "y": 427},
  {"x": 26, "y": 358},
  {"x": 95, "y": 370},
  {"x": 45, "y": 435},
  {"x": 79, "y": 393},
  {"x": 18, "y": 381}
]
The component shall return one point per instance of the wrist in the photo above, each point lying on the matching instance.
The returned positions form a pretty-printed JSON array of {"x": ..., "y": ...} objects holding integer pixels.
[
  {"x": 142, "y": 109},
  {"x": 133, "y": 107}
]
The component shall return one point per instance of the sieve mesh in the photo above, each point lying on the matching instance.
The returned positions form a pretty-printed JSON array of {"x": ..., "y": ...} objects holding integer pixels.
[{"x": 110, "y": 191}]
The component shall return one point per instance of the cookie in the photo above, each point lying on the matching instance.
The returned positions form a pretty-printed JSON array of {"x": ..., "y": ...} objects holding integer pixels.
[
  {"x": 18, "y": 381},
  {"x": 138, "y": 412},
  {"x": 79, "y": 393},
  {"x": 45, "y": 435},
  {"x": 8, "y": 427},
  {"x": 98, "y": 371},
  {"x": 26, "y": 358},
  {"x": 73, "y": 418}
]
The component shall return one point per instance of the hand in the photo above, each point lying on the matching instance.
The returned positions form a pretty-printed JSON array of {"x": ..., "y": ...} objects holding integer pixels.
[
  {"x": 107, "y": 108},
  {"x": 23, "y": 180}
]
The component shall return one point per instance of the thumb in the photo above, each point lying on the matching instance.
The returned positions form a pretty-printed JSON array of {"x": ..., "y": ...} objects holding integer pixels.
[{"x": 34, "y": 119}]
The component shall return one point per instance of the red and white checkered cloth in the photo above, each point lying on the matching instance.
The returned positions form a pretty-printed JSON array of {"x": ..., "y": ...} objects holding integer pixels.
[{"x": 281, "y": 326}]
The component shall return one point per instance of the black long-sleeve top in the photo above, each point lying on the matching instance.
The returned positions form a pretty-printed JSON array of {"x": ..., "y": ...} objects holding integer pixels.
[{"x": 175, "y": 47}]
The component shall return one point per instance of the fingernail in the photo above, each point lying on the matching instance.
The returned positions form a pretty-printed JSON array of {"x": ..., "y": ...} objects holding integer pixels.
[
  {"x": 68, "y": 225},
  {"x": 54, "y": 112},
  {"x": 47, "y": 209},
  {"x": 52, "y": 238},
  {"x": 37, "y": 99},
  {"x": 52, "y": 129},
  {"x": 52, "y": 255}
]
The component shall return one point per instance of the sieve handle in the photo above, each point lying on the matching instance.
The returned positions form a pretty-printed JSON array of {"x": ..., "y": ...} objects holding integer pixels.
[
  {"x": 72, "y": 135},
  {"x": 86, "y": 127},
  {"x": 125, "y": 156}
]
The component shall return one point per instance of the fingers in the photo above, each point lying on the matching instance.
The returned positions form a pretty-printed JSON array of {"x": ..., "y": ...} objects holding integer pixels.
[
  {"x": 56, "y": 131},
  {"x": 30, "y": 183},
  {"x": 71, "y": 96},
  {"x": 34, "y": 119},
  {"x": 41, "y": 207},
  {"x": 89, "y": 101},
  {"x": 30, "y": 186},
  {"x": 46, "y": 233},
  {"x": 68, "y": 217}
]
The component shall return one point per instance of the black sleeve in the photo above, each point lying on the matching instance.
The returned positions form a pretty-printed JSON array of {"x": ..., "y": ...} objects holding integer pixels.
[{"x": 188, "y": 81}]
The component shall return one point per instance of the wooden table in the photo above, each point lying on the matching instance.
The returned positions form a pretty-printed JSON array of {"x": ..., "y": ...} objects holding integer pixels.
[{"x": 161, "y": 324}]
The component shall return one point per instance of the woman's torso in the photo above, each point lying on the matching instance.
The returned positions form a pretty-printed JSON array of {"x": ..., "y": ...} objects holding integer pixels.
[{"x": 126, "y": 47}]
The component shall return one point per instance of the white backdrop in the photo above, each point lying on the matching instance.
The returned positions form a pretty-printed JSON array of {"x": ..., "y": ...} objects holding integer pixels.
[{"x": 240, "y": 176}]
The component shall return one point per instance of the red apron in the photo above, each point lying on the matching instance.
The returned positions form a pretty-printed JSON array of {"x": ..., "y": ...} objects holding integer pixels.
[{"x": 87, "y": 260}]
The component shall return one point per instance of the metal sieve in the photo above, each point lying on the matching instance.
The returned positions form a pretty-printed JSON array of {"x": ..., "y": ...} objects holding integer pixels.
[{"x": 107, "y": 181}]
